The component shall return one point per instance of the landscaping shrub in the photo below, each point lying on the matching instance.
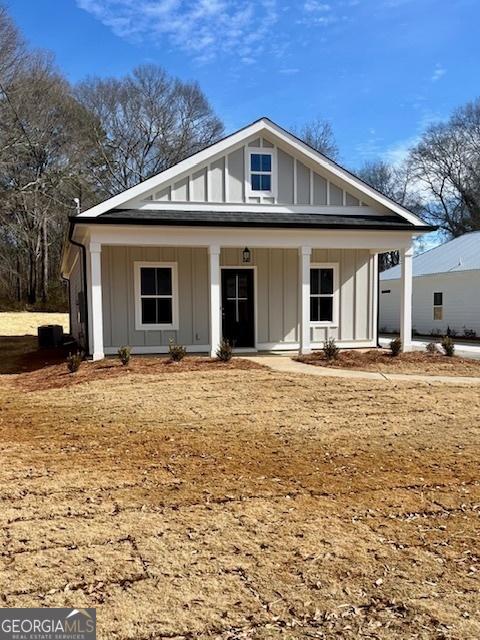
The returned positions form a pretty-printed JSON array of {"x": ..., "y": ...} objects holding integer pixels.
[
  {"x": 224, "y": 351},
  {"x": 124, "y": 354},
  {"x": 74, "y": 361},
  {"x": 451, "y": 333},
  {"x": 431, "y": 347},
  {"x": 469, "y": 333},
  {"x": 448, "y": 346},
  {"x": 395, "y": 346},
  {"x": 177, "y": 351},
  {"x": 330, "y": 349}
]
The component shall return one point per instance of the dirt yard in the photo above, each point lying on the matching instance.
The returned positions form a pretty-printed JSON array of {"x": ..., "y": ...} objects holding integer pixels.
[
  {"x": 381, "y": 360},
  {"x": 239, "y": 504}
]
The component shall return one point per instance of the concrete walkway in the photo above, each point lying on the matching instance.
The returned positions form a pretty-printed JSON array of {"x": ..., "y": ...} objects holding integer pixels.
[{"x": 285, "y": 364}]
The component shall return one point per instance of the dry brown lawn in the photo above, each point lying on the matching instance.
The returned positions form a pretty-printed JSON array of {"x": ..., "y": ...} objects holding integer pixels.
[
  {"x": 415, "y": 362},
  {"x": 19, "y": 323},
  {"x": 242, "y": 504}
]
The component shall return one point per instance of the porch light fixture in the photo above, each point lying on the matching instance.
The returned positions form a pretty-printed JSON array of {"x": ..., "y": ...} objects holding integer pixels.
[{"x": 246, "y": 255}]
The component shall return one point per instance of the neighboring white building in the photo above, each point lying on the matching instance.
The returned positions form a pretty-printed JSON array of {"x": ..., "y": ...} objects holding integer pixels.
[
  {"x": 258, "y": 239},
  {"x": 446, "y": 290}
]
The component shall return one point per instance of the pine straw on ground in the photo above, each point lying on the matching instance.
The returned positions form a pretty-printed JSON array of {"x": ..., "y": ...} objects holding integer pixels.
[
  {"x": 244, "y": 504},
  {"x": 382, "y": 360}
]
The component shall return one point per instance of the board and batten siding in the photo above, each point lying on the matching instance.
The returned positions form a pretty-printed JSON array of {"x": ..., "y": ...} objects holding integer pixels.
[
  {"x": 119, "y": 296},
  {"x": 224, "y": 180},
  {"x": 461, "y": 303},
  {"x": 276, "y": 295}
]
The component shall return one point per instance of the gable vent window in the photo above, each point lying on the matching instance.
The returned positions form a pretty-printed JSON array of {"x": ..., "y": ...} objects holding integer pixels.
[
  {"x": 261, "y": 172},
  {"x": 155, "y": 295},
  {"x": 438, "y": 305}
]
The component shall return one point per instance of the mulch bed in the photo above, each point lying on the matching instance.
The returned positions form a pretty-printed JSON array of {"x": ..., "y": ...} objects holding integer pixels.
[
  {"x": 381, "y": 360},
  {"x": 54, "y": 376}
]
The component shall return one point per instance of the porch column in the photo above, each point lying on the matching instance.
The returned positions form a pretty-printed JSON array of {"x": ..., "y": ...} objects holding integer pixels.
[
  {"x": 96, "y": 339},
  {"x": 304, "y": 298},
  {"x": 406, "y": 257},
  {"x": 215, "y": 316}
]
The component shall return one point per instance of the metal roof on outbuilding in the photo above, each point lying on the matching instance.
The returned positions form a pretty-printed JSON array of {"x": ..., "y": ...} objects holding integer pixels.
[{"x": 459, "y": 254}]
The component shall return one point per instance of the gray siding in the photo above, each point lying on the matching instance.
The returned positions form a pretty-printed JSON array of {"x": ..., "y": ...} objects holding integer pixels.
[
  {"x": 277, "y": 291},
  {"x": 77, "y": 302},
  {"x": 223, "y": 180},
  {"x": 119, "y": 299},
  {"x": 356, "y": 306}
]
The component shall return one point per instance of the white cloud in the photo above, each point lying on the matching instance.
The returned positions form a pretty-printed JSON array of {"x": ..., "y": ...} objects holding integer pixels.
[
  {"x": 313, "y": 6},
  {"x": 291, "y": 71},
  {"x": 205, "y": 29},
  {"x": 438, "y": 73}
]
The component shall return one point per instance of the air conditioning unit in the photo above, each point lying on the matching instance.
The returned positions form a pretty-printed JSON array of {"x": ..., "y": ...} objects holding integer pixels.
[{"x": 50, "y": 335}]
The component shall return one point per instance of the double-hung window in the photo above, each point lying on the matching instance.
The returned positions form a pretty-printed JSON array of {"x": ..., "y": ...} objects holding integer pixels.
[
  {"x": 155, "y": 295},
  {"x": 438, "y": 305},
  {"x": 261, "y": 172},
  {"x": 323, "y": 294}
]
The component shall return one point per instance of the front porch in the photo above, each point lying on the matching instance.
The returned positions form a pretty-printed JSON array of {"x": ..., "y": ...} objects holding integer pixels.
[{"x": 287, "y": 310}]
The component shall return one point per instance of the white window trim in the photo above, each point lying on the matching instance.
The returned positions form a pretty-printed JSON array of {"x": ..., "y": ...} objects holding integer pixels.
[
  {"x": 139, "y": 326},
  {"x": 248, "y": 173},
  {"x": 437, "y": 306},
  {"x": 334, "y": 266}
]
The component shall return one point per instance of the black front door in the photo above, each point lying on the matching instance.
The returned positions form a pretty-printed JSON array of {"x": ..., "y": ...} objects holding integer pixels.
[{"x": 238, "y": 326}]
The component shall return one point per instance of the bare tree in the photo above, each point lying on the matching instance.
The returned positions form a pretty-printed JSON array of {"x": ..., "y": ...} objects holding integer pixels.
[
  {"x": 41, "y": 151},
  {"x": 146, "y": 122},
  {"x": 396, "y": 182},
  {"x": 447, "y": 163},
  {"x": 12, "y": 48},
  {"x": 318, "y": 134}
]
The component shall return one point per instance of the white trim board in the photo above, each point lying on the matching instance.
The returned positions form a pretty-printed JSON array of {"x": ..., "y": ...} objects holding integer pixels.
[
  {"x": 191, "y": 348},
  {"x": 258, "y": 128},
  {"x": 139, "y": 325}
]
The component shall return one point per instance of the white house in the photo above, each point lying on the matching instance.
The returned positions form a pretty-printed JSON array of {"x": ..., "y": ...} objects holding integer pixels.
[
  {"x": 446, "y": 289},
  {"x": 258, "y": 238}
]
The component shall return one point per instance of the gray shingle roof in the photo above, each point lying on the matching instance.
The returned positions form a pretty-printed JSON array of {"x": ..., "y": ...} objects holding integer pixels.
[
  {"x": 249, "y": 219},
  {"x": 459, "y": 254}
]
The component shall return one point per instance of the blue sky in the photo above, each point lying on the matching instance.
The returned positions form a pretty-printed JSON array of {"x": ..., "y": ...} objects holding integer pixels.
[{"x": 378, "y": 70}]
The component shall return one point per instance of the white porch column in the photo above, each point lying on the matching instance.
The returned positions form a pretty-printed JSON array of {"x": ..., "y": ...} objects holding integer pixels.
[
  {"x": 215, "y": 299},
  {"x": 304, "y": 298},
  {"x": 406, "y": 257},
  {"x": 96, "y": 339}
]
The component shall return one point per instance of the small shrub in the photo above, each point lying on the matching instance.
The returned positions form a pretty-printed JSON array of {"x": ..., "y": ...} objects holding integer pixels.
[
  {"x": 124, "y": 354},
  {"x": 431, "y": 347},
  {"x": 448, "y": 346},
  {"x": 395, "y": 347},
  {"x": 469, "y": 333},
  {"x": 177, "y": 351},
  {"x": 451, "y": 333},
  {"x": 330, "y": 349},
  {"x": 224, "y": 351},
  {"x": 74, "y": 360}
]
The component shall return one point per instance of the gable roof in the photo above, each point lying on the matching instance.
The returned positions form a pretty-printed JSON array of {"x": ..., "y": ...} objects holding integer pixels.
[
  {"x": 263, "y": 125},
  {"x": 459, "y": 254},
  {"x": 269, "y": 219}
]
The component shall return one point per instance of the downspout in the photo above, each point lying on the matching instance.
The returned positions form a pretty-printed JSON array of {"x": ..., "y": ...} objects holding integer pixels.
[
  {"x": 84, "y": 270},
  {"x": 378, "y": 304}
]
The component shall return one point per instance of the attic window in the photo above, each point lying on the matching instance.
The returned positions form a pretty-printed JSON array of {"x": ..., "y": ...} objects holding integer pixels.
[{"x": 261, "y": 172}]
